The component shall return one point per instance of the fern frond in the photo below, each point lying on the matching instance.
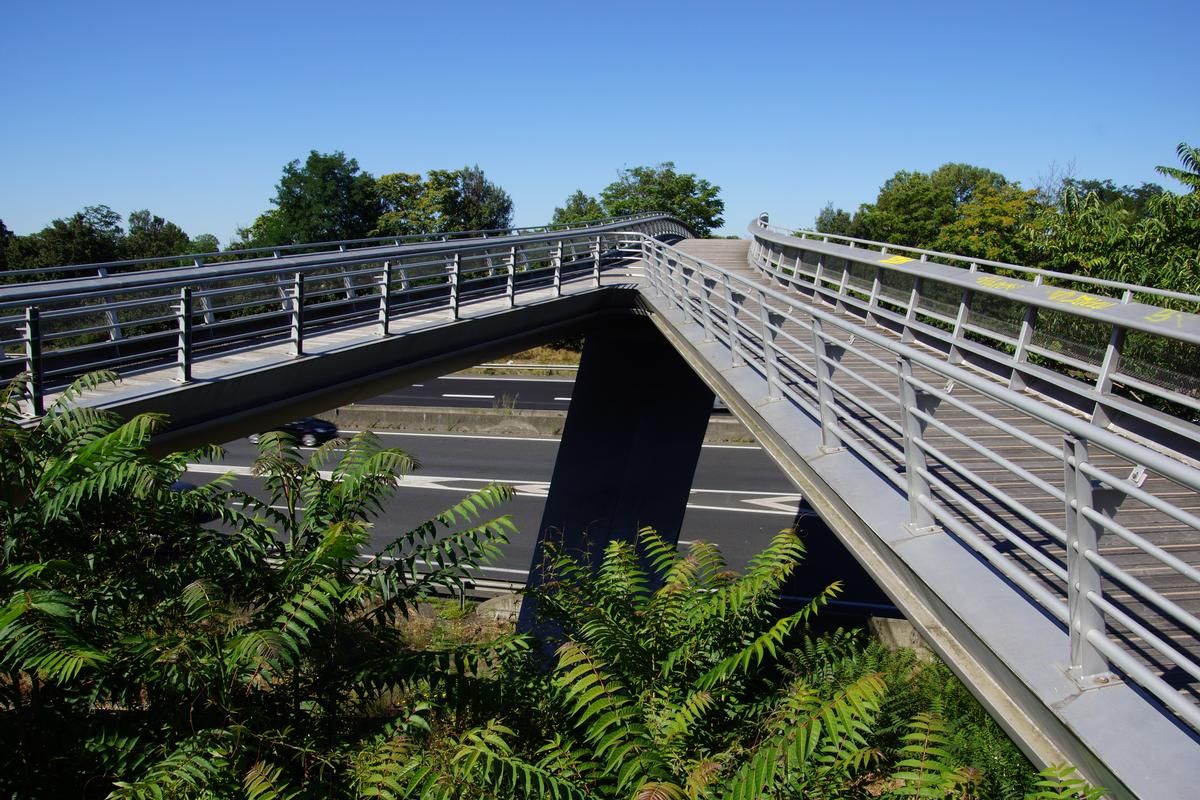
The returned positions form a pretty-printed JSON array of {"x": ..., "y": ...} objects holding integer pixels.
[
  {"x": 194, "y": 764},
  {"x": 1062, "y": 782},
  {"x": 927, "y": 769},
  {"x": 265, "y": 782}
]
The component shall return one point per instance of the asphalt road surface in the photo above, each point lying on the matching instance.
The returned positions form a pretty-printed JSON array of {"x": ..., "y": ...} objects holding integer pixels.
[
  {"x": 739, "y": 498},
  {"x": 484, "y": 391}
]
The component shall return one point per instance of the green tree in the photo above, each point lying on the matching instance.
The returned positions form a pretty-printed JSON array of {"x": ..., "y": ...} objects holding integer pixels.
[
  {"x": 1188, "y": 171},
  {"x": 465, "y": 200},
  {"x": 204, "y": 243},
  {"x": 1132, "y": 200},
  {"x": 912, "y": 207},
  {"x": 832, "y": 220},
  {"x": 267, "y": 230},
  {"x": 89, "y": 236},
  {"x": 5, "y": 236},
  {"x": 990, "y": 224},
  {"x": 406, "y": 209},
  {"x": 151, "y": 235},
  {"x": 325, "y": 199},
  {"x": 640, "y": 189},
  {"x": 577, "y": 209}
]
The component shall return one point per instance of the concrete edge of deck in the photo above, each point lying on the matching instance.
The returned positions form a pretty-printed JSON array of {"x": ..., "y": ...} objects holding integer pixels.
[{"x": 1003, "y": 646}]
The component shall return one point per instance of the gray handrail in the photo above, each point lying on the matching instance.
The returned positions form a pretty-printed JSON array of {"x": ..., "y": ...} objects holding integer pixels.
[
  {"x": 925, "y": 255},
  {"x": 1121, "y": 325},
  {"x": 758, "y": 339},
  {"x": 200, "y": 259}
]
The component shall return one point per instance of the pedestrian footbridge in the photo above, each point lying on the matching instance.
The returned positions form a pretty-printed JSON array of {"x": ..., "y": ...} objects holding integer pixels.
[{"x": 1011, "y": 454}]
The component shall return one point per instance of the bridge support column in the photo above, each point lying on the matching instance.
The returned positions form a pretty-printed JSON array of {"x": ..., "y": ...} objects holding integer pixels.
[{"x": 629, "y": 447}]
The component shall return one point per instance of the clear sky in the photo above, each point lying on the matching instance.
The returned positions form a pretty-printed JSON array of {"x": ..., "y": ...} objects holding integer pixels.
[{"x": 191, "y": 109}]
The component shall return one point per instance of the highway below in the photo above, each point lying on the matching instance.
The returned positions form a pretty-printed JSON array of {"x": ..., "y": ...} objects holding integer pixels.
[
  {"x": 484, "y": 391},
  {"x": 739, "y": 498}
]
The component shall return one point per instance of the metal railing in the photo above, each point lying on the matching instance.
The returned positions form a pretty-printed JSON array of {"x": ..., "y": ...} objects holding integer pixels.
[
  {"x": 52, "y": 332},
  {"x": 1097, "y": 352},
  {"x": 1127, "y": 290},
  {"x": 104, "y": 269},
  {"x": 911, "y": 415}
]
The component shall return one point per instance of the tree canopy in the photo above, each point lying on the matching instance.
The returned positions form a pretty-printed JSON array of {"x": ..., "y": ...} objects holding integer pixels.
[
  {"x": 325, "y": 199},
  {"x": 639, "y": 189},
  {"x": 95, "y": 235},
  {"x": 577, "y": 209},
  {"x": 1141, "y": 234},
  {"x": 1188, "y": 171}
]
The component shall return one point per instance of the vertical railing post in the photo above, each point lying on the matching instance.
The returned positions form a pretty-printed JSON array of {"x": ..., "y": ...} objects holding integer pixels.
[
  {"x": 1024, "y": 338},
  {"x": 33, "y": 361},
  {"x": 653, "y": 266},
  {"x": 731, "y": 324},
  {"x": 596, "y": 264},
  {"x": 510, "y": 281},
  {"x": 1088, "y": 665},
  {"x": 558, "y": 262},
  {"x": 297, "y": 298},
  {"x": 675, "y": 270},
  {"x": 114, "y": 321},
  {"x": 916, "y": 467},
  {"x": 183, "y": 355},
  {"x": 1112, "y": 361},
  {"x": 706, "y": 292},
  {"x": 910, "y": 313},
  {"x": 823, "y": 376},
  {"x": 455, "y": 267},
  {"x": 770, "y": 357},
  {"x": 873, "y": 299},
  {"x": 385, "y": 298},
  {"x": 960, "y": 322}
]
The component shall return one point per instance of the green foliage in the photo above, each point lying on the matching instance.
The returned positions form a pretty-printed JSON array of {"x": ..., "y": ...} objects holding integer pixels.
[
  {"x": 639, "y": 189},
  {"x": 407, "y": 209},
  {"x": 328, "y": 198},
  {"x": 151, "y": 235},
  {"x": 95, "y": 235},
  {"x": 446, "y": 200},
  {"x": 145, "y": 653},
  {"x": 832, "y": 220},
  {"x": 1188, "y": 171},
  {"x": 577, "y": 209},
  {"x": 465, "y": 200},
  {"x": 990, "y": 224},
  {"x": 912, "y": 207},
  {"x": 86, "y": 237}
]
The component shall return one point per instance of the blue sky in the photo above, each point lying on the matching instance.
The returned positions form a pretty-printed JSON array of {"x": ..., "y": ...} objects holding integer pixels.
[{"x": 192, "y": 109}]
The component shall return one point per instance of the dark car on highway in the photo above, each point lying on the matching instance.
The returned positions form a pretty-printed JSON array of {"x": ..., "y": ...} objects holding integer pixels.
[{"x": 309, "y": 431}]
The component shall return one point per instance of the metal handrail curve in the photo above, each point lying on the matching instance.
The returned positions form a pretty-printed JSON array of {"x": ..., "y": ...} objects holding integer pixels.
[
  {"x": 925, "y": 255},
  {"x": 762, "y": 327},
  {"x": 106, "y": 268}
]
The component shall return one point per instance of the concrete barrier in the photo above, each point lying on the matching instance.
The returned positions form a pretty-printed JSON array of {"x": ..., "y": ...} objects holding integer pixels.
[{"x": 492, "y": 422}]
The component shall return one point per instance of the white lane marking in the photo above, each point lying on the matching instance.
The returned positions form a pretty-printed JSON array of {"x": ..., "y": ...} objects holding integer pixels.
[
  {"x": 795, "y": 498},
  {"x": 783, "y": 502},
  {"x": 525, "y": 438},
  {"x": 743, "y": 510},
  {"x": 514, "y": 378},
  {"x": 522, "y": 488},
  {"x": 472, "y": 396},
  {"x": 562, "y": 398},
  {"x": 418, "y": 386}
]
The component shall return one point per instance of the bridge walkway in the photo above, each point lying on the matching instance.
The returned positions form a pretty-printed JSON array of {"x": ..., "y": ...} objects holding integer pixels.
[{"x": 868, "y": 395}]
